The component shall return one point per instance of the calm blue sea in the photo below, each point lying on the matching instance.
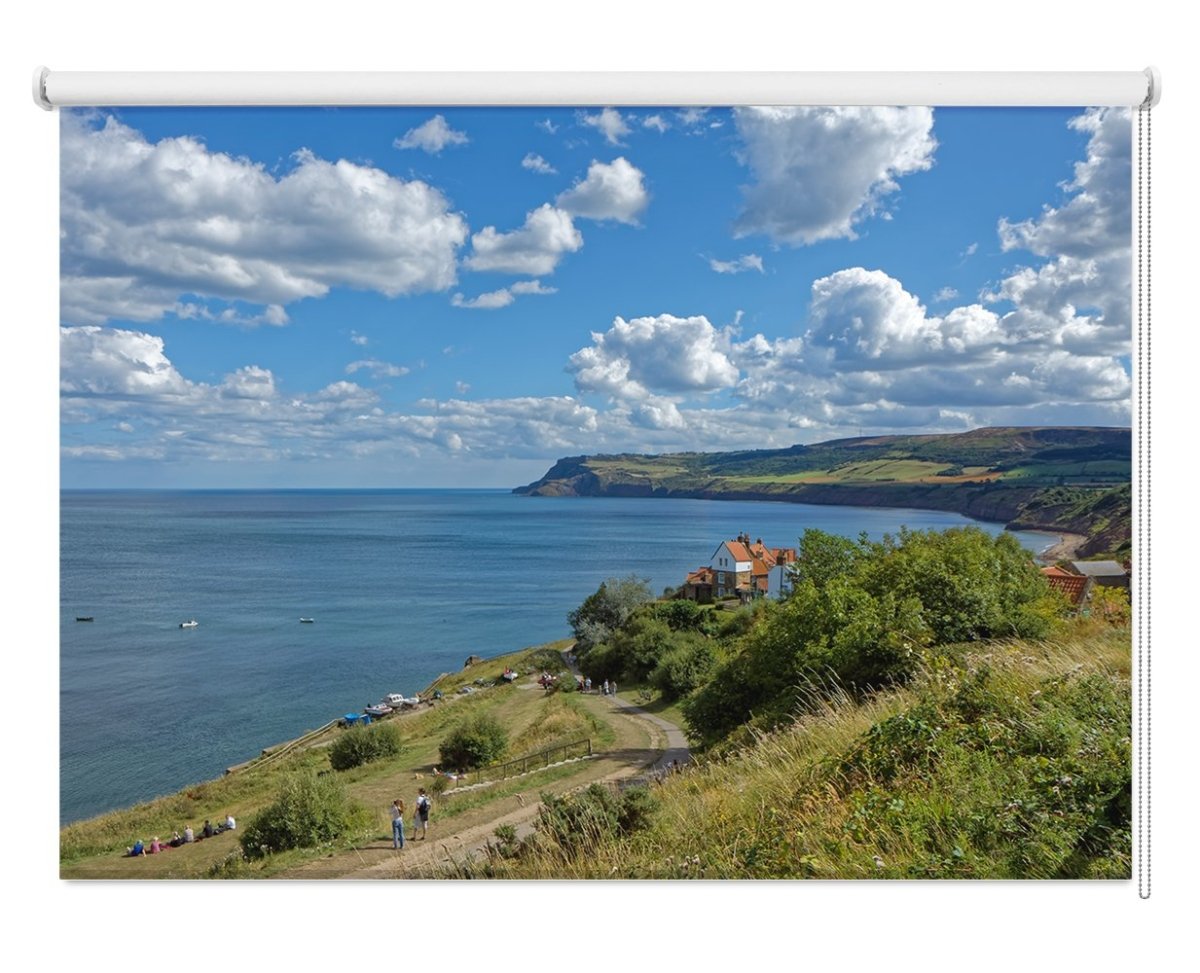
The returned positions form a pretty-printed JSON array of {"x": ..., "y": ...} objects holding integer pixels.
[{"x": 402, "y": 584}]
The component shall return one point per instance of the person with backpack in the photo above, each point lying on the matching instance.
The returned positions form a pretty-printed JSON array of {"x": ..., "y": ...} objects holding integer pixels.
[{"x": 423, "y": 803}]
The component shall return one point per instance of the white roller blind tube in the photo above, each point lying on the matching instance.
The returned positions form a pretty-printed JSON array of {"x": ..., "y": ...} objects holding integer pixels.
[{"x": 62, "y": 89}]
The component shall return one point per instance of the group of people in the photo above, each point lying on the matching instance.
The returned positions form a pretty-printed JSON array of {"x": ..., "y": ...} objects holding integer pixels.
[
  {"x": 420, "y": 818},
  {"x": 608, "y": 688},
  {"x": 140, "y": 847}
]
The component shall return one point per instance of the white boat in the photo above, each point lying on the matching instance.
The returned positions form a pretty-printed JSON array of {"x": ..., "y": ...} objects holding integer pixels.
[
  {"x": 306, "y": 621},
  {"x": 397, "y": 701},
  {"x": 190, "y": 623},
  {"x": 379, "y": 709}
]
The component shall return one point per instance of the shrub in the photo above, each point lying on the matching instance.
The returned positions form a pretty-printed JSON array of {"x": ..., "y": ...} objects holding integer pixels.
[
  {"x": 606, "y": 610},
  {"x": 310, "y": 810},
  {"x": 477, "y": 742},
  {"x": 362, "y": 744},
  {"x": 685, "y": 666},
  {"x": 583, "y": 821}
]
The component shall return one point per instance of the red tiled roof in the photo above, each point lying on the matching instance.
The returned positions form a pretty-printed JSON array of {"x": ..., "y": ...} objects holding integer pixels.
[
  {"x": 739, "y": 551},
  {"x": 700, "y": 576},
  {"x": 1074, "y": 586},
  {"x": 760, "y": 569},
  {"x": 1057, "y": 572}
]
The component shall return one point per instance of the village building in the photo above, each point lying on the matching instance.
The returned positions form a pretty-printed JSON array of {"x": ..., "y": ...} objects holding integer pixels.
[
  {"x": 1107, "y": 574},
  {"x": 1076, "y": 588},
  {"x": 744, "y": 570}
]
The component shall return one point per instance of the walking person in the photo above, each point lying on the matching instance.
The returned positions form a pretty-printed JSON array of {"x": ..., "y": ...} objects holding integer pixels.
[
  {"x": 397, "y": 823},
  {"x": 422, "y": 813}
]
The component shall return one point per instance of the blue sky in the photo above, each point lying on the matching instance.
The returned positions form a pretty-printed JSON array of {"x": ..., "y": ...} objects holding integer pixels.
[{"x": 387, "y": 297}]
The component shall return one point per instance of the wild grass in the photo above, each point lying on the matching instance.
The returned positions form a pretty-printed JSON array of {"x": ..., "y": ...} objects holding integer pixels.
[{"x": 1011, "y": 760}]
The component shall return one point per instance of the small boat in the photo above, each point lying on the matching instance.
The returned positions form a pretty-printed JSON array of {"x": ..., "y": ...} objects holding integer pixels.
[
  {"x": 85, "y": 618},
  {"x": 379, "y": 709},
  {"x": 399, "y": 701},
  {"x": 190, "y": 623},
  {"x": 306, "y": 621}
]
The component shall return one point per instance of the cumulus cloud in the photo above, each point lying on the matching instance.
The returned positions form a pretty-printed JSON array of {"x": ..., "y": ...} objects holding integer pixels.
[
  {"x": 609, "y": 122},
  {"x": 611, "y": 191},
  {"x": 747, "y": 261},
  {"x": 535, "y": 163},
  {"x": 377, "y": 369},
  {"x": 1079, "y": 298},
  {"x": 547, "y": 126},
  {"x": 945, "y": 294},
  {"x": 431, "y": 136},
  {"x": 535, "y": 249},
  {"x": 819, "y": 172},
  {"x": 656, "y": 122},
  {"x": 146, "y": 223},
  {"x": 664, "y": 354}
]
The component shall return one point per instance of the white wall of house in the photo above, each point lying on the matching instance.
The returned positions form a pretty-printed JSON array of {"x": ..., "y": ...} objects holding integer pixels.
[
  {"x": 779, "y": 582},
  {"x": 723, "y": 560}
]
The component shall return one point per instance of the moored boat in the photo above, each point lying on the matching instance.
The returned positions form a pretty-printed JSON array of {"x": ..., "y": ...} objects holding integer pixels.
[
  {"x": 190, "y": 623},
  {"x": 306, "y": 621},
  {"x": 379, "y": 709},
  {"x": 84, "y": 618}
]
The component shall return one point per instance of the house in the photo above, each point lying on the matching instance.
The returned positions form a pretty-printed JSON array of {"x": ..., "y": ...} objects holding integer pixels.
[
  {"x": 1076, "y": 588},
  {"x": 732, "y": 563},
  {"x": 1108, "y": 574},
  {"x": 751, "y": 570},
  {"x": 698, "y": 585}
]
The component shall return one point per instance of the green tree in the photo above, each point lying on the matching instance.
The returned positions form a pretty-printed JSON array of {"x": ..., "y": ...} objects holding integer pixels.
[
  {"x": 606, "y": 610},
  {"x": 310, "y": 810}
]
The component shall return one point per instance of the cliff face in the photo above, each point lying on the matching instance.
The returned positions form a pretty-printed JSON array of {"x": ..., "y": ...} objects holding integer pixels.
[{"x": 1016, "y": 477}]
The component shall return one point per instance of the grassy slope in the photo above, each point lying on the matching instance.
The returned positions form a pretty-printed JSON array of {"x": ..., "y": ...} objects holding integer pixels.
[
  {"x": 93, "y": 848},
  {"x": 1012, "y": 762}
]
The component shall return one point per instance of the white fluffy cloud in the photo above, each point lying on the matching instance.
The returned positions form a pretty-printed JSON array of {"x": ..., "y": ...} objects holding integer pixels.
[
  {"x": 656, "y": 122},
  {"x": 609, "y": 122},
  {"x": 535, "y": 249},
  {"x": 611, "y": 191},
  {"x": 747, "y": 261},
  {"x": 665, "y": 354},
  {"x": 145, "y": 223},
  {"x": 431, "y": 136},
  {"x": 1079, "y": 299},
  {"x": 535, "y": 163},
  {"x": 820, "y": 171}
]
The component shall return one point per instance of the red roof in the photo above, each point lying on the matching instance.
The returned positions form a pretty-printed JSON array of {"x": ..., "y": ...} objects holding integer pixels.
[
  {"x": 1057, "y": 572},
  {"x": 700, "y": 576},
  {"x": 739, "y": 551},
  {"x": 1074, "y": 586}
]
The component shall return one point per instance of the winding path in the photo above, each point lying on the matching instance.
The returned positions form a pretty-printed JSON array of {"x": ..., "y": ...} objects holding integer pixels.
[{"x": 668, "y": 743}]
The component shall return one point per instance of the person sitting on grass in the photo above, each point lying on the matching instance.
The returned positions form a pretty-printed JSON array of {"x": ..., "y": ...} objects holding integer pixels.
[
  {"x": 209, "y": 830},
  {"x": 138, "y": 849},
  {"x": 155, "y": 846},
  {"x": 176, "y": 840},
  {"x": 188, "y": 834},
  {"x": 230, "y": 824}
]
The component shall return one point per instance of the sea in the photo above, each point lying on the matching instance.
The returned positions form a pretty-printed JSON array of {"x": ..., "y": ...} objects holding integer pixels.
[{"x": 402, "y": 585}]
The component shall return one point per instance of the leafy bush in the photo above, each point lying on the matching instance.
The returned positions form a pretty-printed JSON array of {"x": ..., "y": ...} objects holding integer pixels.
[
  {"x": 362, "y": 744},
  {"x": 310, "y": 810},
  {"x": 477, "y": 742},
  {"x": 685, "y": 666},
  {"x": 579, "y": 822},
  {"x": 861, "y": 614}
]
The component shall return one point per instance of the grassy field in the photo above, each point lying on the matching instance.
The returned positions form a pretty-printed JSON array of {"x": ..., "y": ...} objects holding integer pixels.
[
  {"x": 534, "y": 721},
  {"x": 876, "y": 471},
  {"x": 1002, "y": 760}
]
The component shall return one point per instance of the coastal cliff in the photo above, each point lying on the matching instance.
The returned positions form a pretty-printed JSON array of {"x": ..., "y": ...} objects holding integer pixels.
[{"x": 1066, "y": 479}]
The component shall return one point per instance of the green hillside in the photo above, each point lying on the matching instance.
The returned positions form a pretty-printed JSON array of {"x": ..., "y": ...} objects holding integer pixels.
[{"x": 1073, "y": 479}]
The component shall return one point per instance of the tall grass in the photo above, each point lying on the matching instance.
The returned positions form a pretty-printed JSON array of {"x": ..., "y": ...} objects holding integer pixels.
[{"x": 1011, "y": 760}]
